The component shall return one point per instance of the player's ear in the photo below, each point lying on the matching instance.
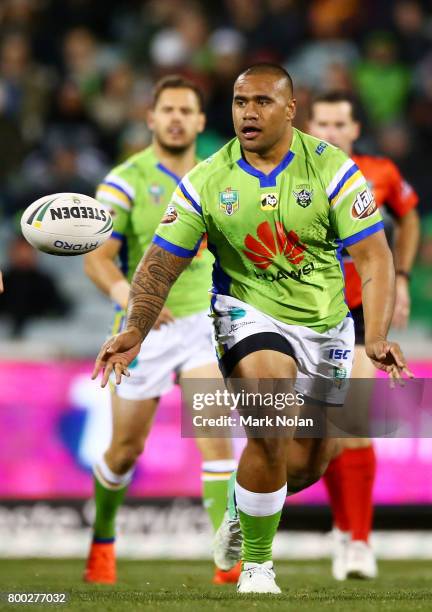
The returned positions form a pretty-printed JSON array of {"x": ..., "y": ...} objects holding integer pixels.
[
  {"x": 201, "y": 123},
  {"x": 150, "y": 119},
  {"x": 356, "y": 130},
  {"x": 291, "y": 109}
]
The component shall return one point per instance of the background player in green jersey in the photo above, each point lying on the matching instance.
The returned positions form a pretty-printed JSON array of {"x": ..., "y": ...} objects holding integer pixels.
[
  {"x": 274, "y": 203},
  {"x": 137, "y": 193}
]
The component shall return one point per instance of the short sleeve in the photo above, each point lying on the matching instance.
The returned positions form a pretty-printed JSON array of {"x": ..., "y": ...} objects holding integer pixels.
[
  {"x": 353, "y": 211},
  {"x": 402, "y": 197},
  {"x": 117, "y": 195},
  {"x": 182, "y": 227}
]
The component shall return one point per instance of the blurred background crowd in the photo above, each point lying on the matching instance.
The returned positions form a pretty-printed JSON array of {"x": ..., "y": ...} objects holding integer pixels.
[{"x": 76, "y": 79}]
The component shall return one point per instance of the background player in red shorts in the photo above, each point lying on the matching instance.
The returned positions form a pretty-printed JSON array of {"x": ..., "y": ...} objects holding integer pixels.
[{"x": 350, "y": 476}]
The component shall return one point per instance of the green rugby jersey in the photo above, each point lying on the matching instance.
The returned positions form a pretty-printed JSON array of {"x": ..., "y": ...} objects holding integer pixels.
[
  {"x": 276, "y": 238},
  {"x": 137, "y": 192}
]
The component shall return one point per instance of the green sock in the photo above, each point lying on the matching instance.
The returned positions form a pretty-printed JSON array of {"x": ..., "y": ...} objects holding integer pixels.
[
  {"x": 107, "y": 502},
  {"x": 258, "y": 534},
  {"x": 215, "y": 476},
  {"x": 215, "y": 500}
]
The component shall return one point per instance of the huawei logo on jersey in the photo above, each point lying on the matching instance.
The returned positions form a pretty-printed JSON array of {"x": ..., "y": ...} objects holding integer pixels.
[{"x": 263, "y": 251}]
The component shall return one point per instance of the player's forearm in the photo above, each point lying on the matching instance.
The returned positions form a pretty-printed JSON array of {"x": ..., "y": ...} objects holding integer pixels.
[
  {"x": 378, "y": 295},
  {"x": 407, "y": 240},
  {"x": 374, "y": 263},
  {"x": 106, "y": 275},
  {"x": 152, "y": 281}
]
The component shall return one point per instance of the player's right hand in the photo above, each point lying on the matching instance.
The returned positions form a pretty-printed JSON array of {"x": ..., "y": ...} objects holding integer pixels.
[
  {"x": 116, "y": 354},
  {"x": 164, "y": 317},
  {"x": 388, "y": 356}
]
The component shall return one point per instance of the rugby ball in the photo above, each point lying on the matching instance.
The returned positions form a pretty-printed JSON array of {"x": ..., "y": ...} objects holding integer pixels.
[{"x": 66, "y": 224}]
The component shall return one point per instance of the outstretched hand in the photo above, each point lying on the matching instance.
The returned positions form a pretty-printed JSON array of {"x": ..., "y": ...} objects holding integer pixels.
[
  {"x": 116, "y": 354},
  {"x": 388, "y": 356}
]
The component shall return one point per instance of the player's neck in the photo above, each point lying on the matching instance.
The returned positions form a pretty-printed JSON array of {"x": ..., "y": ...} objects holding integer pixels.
[
  {"x": 178, "y": 163},
  {"x": 268, "y": 160}
]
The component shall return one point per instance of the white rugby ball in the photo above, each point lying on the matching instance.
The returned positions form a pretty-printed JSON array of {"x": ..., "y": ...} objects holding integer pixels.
[{"x": 66, "y": 224}]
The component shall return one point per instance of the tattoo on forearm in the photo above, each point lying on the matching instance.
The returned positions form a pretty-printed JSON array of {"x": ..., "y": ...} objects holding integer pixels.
[
  {"x": 154, "y": 277},
  {"x": 366, "y": 282}
]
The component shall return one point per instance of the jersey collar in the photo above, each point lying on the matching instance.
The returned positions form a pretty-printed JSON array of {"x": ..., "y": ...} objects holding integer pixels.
[
  {"x": 166, "y": 170},
  {"x": 268, "y": 180}
]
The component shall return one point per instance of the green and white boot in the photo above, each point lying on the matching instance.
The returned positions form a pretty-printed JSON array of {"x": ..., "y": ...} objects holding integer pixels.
[{"x": 227, "y": 543}]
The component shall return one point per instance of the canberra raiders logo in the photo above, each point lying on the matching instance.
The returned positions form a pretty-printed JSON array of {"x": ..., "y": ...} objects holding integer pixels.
[{"x": 304, "y": 195}]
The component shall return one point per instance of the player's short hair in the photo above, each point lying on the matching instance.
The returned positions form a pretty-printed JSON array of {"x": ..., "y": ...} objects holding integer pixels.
[
  {"x": 269, "y": 68},
  {"x": 333, "y": 97},
  {"x": 176, "y": 81}
]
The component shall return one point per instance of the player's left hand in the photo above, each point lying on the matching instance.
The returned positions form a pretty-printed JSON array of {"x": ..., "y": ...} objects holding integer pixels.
[
  {"x": 402, "y": 303},
  {"x": 388, "y": 356},
  {"x": 116, "y": 354}
]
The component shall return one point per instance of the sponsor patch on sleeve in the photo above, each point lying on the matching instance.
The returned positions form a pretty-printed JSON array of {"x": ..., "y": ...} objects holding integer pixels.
[
  {"x": 170, "y": 215},
  {"x": 364, "y": 205}
]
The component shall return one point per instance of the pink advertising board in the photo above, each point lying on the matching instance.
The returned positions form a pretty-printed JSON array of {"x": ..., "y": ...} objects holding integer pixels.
[{"x": 54, "y": 422}]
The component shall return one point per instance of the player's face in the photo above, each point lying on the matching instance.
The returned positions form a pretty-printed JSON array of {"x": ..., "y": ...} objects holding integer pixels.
[
  {"x": 176, "y": 119},
  {"x": 263, "y": 109},
  {"x": 333, "y": 122}
]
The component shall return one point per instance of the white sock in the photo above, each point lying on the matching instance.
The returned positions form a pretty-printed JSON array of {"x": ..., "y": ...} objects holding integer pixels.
[
  {"x": 220, "y": 469},
  {"x": 108, "y": 478},
  {"x": 260, "y": 504}
]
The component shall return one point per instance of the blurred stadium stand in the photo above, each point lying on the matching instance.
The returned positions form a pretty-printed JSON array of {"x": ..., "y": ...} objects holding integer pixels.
[{"x": 75, "y": 85}]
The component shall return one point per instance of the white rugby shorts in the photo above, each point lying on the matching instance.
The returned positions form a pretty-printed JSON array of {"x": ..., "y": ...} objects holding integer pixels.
[
  {"x": 324, "y": 360},
  {"x": 176, "y": 347}
]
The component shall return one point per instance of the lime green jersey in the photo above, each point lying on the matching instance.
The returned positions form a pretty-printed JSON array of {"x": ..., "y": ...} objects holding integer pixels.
[
  {"x": 137, "y": 193},
  {"x": 276, "y": 237}
]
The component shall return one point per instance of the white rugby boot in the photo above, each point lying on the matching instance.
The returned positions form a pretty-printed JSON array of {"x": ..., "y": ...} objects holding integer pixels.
[
  {"x": 340, "y": 540},
  {"x": 360, "y": 561},
  {"x": 227, "y": 543},
  {"x": 258, "y": 578}
]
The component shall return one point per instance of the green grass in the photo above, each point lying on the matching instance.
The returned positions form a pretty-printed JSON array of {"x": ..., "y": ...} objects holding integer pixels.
[{"x": 183, "y": 585}]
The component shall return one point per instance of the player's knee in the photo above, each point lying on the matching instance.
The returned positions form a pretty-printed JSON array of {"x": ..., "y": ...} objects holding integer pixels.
[
  {"x": 272, "y": 449},
  {"x": 125, "y": 453},
  {"x": 303, "y": 475}
]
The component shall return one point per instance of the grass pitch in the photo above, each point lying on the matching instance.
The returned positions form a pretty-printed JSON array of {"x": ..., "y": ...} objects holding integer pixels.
[{"x": 177, "y": 586}]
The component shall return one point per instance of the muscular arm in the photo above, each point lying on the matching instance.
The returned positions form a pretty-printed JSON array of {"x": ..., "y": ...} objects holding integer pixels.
[
  {"x": 152, "y": 281},
  {"x": 374, "y": 263}
]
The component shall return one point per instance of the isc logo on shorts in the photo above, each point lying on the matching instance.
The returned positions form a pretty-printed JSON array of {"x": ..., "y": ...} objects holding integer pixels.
[{"x": 338, "y": 354}]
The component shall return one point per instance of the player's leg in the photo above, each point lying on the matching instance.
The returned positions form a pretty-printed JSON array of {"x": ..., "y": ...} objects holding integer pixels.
[
  {"x": 131, "y": 423},
  {"x": 358, "y": 467},
  {"x": 217, "y": 454},
  {"x": 349, "y": 481},
  {"x": 261, "y": 482},
  {"x": 133, "y": 408},
  {"x": 260, "y": 348},
  {"x": 268, "y": 469},
  {"x": 217, "y": 457}
]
